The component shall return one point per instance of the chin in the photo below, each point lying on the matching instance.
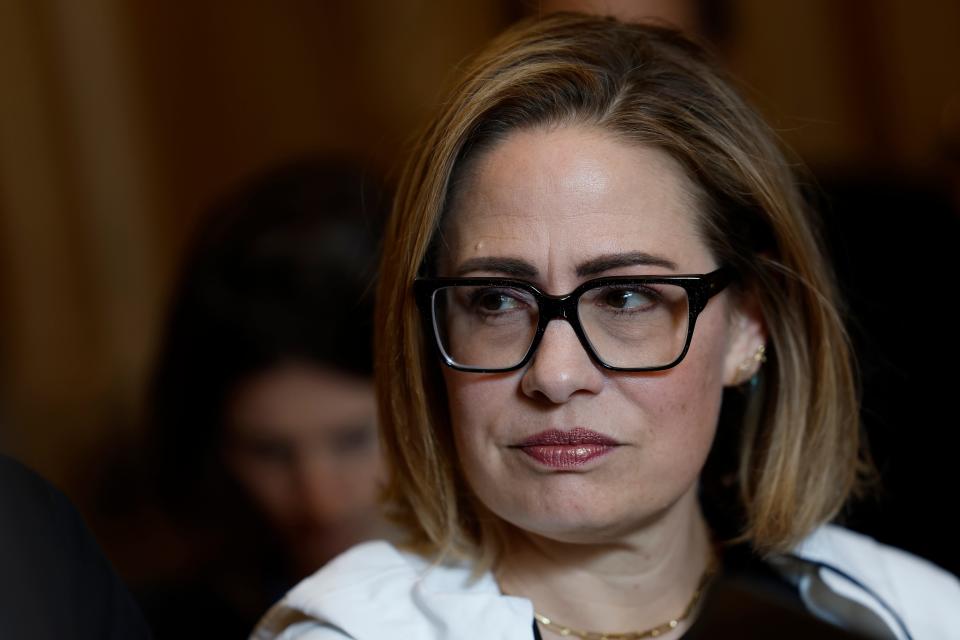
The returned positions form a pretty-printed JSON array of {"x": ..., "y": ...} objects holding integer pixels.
[
  {"x": 582, "y": 526},
  {"x": 588, "y": 517}
]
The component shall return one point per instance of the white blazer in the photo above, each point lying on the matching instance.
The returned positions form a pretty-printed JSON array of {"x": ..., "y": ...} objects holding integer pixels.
[{"x": 374, "y": 591}]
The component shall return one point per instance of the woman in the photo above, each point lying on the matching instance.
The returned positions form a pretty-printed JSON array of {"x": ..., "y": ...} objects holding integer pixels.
[
  {"x": 596, "y": 239},
  {"x": 263, "y": 395}
]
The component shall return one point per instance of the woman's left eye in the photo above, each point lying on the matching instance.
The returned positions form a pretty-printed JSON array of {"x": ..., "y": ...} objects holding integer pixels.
[{"x": 626, "y": 299}]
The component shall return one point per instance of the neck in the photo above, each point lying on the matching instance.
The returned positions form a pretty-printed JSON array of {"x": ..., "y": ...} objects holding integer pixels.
[{"x": 633, "y": 583}]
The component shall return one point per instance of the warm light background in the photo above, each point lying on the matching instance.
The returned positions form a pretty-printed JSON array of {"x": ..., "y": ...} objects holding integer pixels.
[{"x": 121, "y": 120}]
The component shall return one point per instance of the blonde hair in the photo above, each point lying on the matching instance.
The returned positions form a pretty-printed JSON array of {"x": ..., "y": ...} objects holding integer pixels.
[{"x": 799, "y": 459}]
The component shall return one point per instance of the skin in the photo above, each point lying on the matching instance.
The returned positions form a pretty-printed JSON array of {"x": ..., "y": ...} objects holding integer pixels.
[
  {"x": 302, "y": 442},
  {"x": 618, "y": 544}
]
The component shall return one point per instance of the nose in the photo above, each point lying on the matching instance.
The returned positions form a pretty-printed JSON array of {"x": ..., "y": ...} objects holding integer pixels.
[{"x": 561, "y": 367}]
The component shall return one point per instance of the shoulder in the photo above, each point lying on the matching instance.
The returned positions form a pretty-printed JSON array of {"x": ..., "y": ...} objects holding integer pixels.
[
  {"x": 375, "y": 587},
  {"x": 924, "y": 596},
  {"x": 50, "y": 560},
  {"x": 21, "y": 488},
  {"x": 855, "y": 550},
  {"x": 41, "y": 527},
  {"x": 36, "y": 515}
]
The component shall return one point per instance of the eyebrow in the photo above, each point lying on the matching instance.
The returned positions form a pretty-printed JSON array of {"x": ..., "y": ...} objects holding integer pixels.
[
  {"x": 520, "y": 268},
  {"x": 598, "y": 265},
  {"x": 515, "y": 267}
]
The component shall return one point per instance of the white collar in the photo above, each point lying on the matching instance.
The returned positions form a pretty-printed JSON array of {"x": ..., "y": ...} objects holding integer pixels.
[{"x": 375, "y": 591}]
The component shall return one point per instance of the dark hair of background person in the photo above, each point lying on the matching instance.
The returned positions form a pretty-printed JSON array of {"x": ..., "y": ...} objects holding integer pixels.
[{"x": 281, "y": 272}]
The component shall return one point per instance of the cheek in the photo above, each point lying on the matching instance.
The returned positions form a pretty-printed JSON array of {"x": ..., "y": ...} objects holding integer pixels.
[
  {"x": 679, "y": 413},
  {"x": 477, "y": 404},
  {"x": 681, "y": 407},
  {"x": 471, "y": 396}
]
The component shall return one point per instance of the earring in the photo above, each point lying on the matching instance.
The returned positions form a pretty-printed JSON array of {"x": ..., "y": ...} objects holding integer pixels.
[{"x": 752, "y": 364}]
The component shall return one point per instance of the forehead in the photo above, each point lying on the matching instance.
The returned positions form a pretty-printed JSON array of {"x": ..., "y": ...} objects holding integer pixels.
[{"x": 561, "y": 196}]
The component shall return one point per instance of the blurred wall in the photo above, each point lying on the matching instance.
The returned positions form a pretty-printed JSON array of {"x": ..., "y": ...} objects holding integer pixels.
[
  {"x": 859, "y": 83},
  {"x": 121, "y": 121},
  {"x": 81, "y": 209}
]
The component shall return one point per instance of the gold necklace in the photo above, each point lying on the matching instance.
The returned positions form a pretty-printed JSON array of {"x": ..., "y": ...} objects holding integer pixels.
[{"x": 653, "y": 632}]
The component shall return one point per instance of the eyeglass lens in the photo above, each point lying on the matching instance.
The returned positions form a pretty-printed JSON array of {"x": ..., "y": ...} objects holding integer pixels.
[{"x": 628, "y": 326}]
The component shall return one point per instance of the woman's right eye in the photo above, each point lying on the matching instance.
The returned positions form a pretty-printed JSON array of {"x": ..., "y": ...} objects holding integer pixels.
[{"x": 496, "y": 301}]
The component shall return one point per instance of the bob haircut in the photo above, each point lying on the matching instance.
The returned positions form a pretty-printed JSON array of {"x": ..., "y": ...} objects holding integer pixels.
[{"x": 798, "y": 456}]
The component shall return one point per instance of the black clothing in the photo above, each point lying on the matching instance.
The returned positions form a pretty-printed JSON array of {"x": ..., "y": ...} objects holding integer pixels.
[
  {"x": 54, "y": 580},
  {"x": 749, "y": 599}
]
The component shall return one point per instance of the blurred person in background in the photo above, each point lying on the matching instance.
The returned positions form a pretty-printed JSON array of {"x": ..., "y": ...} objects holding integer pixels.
[{"x": 262, "y": 400}]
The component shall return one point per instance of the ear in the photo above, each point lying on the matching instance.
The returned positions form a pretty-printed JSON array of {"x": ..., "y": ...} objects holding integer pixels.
[{"x": 747, "y": 333}]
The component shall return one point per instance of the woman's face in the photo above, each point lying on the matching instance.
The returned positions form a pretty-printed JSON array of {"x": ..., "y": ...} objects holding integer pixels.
[
  {"x": 566, "y": 205},
  {"x": 302, "y": 441}
]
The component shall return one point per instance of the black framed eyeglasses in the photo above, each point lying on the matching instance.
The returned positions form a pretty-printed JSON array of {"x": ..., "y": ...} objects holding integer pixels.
[{"x": 625, "y": 323}]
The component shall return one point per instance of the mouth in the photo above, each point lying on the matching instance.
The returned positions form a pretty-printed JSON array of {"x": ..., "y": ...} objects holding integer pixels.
[{"x": 566, "y": 450}]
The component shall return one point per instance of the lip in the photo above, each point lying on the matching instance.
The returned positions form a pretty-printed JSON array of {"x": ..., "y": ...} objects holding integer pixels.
[{"x": 566, "y": 450}]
